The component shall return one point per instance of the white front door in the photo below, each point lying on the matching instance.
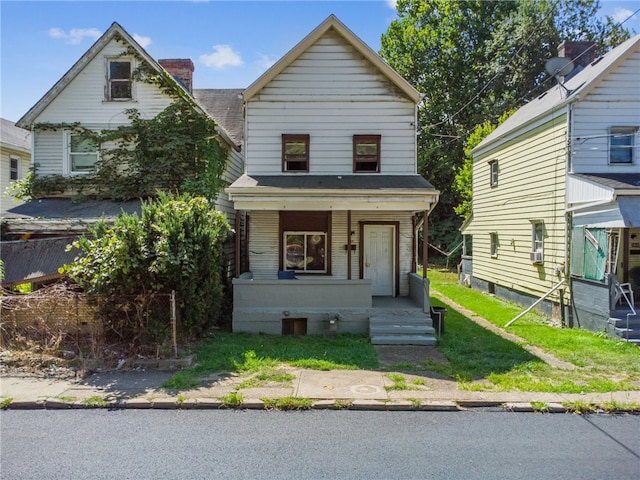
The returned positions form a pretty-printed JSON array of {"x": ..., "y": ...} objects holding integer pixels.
[{"x": 378, "y": 258}]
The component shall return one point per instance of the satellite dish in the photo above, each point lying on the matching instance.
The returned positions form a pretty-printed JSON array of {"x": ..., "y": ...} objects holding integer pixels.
[{"x": 559, "y": 66}]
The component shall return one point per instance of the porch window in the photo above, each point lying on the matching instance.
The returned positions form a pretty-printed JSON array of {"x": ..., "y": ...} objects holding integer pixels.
[
  {"x": 119, "y": 79},
  {"x": 305, "y": 251},
  {"x": 537, "y": 241},
  {"x": 82, "y": 154},
  {"x": 366, "y": 153},
  {"x": 295, "y": 153},
  {"x": 306, "y": 241},
  {"x": 493, "y": 173}
]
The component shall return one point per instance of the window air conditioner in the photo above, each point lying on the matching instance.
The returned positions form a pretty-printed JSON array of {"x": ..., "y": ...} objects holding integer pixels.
[{"x": 537, "y": 257}]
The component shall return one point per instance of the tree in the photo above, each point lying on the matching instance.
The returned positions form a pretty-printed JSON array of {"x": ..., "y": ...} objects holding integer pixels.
[
  {"x": 175, "y": 244},
  {"x": 474, "y": 60}
]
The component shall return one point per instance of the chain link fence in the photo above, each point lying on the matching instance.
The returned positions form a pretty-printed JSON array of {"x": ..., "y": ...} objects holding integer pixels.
[{"x": 56, "y": 319}]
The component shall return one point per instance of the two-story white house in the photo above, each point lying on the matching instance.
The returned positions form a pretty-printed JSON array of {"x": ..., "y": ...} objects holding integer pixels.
[
  {"x": 556, "y": 198},
  {"x": 95, "y": 95},
  {"x": 330, "y": 191}
]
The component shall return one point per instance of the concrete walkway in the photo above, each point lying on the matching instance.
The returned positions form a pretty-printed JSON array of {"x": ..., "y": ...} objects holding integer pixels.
[{"x": 354, "y": 389}]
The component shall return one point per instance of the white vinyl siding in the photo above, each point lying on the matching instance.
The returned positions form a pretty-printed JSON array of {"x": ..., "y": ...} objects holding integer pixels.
[
  {"x": 532, "y": 174},
  {"x": 264, "y": 235},
  {"x": 614, "y": 102},
  {"x": 83, "y": 100},
  {"x": 330, "y": 92},
  {"x": 6, "y": 156}
]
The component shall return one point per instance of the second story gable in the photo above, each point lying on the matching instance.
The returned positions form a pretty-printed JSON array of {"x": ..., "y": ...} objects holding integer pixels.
[{"x": 331, "y": 106}]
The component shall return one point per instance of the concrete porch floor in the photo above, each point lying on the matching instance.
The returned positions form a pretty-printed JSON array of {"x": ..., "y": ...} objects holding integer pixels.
[{"x": 393, "y": 303}]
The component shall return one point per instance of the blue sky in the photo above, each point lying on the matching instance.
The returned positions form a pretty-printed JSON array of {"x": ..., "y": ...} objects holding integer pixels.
[{"x": 230, "y": 42}]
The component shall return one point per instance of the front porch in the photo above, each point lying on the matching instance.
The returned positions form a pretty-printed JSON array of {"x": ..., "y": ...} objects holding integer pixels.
[{"x": 329, "y": 306}]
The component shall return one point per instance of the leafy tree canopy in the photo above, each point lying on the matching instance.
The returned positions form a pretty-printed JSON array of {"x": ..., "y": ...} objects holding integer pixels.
[{"x": 475, "y": 60}]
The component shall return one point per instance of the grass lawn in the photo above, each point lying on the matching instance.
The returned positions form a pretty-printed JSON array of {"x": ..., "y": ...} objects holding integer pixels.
[
  {"x": 602, "y": 364},
  {"x": 477, "y": 358}
]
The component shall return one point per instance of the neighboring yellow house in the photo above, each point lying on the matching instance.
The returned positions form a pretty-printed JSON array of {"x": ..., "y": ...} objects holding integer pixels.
[
  {"x": 556, "y": 198},
  {"x": 15, "y": 158}
]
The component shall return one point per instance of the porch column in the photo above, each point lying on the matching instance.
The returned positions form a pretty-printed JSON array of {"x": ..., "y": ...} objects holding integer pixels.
[
  {"x": 414, "y": 253},
  {"x": 425, "y": 243},
  {"x": 238, "y": 242},
  {"x": 348, "y": 244}
]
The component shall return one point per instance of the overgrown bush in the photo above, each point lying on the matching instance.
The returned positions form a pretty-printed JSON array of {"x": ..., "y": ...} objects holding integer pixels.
[{"x": 175, "y": 244}]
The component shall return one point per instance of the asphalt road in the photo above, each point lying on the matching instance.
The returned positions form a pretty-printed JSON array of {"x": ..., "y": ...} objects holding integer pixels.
[{"x": 216, "y": 444}]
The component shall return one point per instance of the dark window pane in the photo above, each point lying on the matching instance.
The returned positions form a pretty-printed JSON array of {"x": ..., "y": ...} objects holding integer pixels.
[{"x": 120, "y": 70}]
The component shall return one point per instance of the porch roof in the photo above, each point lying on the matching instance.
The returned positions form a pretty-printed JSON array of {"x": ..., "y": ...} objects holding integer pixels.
[{"x": 333, "y": 192}]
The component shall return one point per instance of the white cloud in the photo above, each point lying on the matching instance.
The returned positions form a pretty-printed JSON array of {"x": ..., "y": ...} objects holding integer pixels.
[
  {"x": 391, "y": 4},
  {"x": 620, "y": 14},
  {"x": 75, "y": 35},
  {"x": 143, "y": 41},
  {"x": 264, "y": 62},
  {"x": 222, "y": 56}
]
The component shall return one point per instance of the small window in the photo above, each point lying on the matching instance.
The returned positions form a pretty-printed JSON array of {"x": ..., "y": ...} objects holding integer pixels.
[
  {"x": 537, "y": 242},
  {"x": 366, "y": 153},
  {"x": 83, "y": 154},
  {"x": 621, "y": 145},
  {"x": 295, "y": 153},
  {"x": 305, "y": 251},
  {"x": 119, "y": 78},
  {"x": 467, "y": 245},
  {"x": 494, "y": 244},
  {"x": 14, "y": 166},
  {"x": 493, "y": 172}
]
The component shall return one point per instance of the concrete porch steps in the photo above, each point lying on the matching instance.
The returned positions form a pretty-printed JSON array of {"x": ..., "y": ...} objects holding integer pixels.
[
  {"x": 618, "y": 326},
  {"x": 401, "y": 329}
]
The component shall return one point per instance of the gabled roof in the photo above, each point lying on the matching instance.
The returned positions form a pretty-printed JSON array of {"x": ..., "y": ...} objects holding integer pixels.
[
  {"x": 225, "y": 107},
  {"x": 554, "y": 99},
  {"x": 74, "y": 71},
  {"x": 333, "y": 23},
  {"x": 14, "y": 137}
]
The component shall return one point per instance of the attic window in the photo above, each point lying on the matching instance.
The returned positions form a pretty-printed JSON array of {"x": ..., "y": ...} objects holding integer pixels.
[
  {"x": 493, "y": 173},
  {"x": 119, "y": 79},
  {"x": 366, "y": 153}
]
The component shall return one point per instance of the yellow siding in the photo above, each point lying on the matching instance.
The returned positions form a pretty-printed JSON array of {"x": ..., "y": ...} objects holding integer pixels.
[{"x": 531, "y": 186}]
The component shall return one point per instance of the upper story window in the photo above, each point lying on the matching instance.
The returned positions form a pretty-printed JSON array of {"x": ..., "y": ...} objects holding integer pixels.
[
  {"x": 366, "y": 153},
  {"x": 621, "y": 145},
  {"x": 119, "y": 79},
  {"x": 82, "y": 154},
  {"x": 295, "y": 153},
  {"x": 493, "y": 173},
  {"x": 14, "y": 168}
]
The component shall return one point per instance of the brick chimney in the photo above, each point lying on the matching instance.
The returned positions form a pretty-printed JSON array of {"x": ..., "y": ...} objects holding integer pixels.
[
  {"x": 181, "y": 69},
  {"x": 581, "y": 53}
]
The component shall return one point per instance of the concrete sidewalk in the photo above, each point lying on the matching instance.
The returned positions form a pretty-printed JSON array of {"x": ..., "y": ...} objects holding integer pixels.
[{"x": 354, "y": 389}]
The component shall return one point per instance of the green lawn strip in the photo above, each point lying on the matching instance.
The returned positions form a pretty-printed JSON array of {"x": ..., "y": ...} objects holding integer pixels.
[
  {"x": 606, "y": 364},
  {"x": 246, "y": 354}
]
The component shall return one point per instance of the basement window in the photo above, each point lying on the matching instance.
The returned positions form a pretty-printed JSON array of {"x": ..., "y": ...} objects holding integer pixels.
[{"x": 296, "y": 327}]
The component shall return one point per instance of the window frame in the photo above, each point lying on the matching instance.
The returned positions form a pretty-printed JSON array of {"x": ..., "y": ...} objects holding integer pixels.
[
  {"x": 304, "y": 158},
  {"x": 493, "y": 244},
  {"x": 305, "y": 222},
  {"x": 110, "y": 81},
  {"x": 493, "y": 173},
  {"x": 366, "y": 159},
  {"x": 305, "y": 254},
  {"x": 14, "y": 172},
  {"x": 69, "y": 154},
  {"x": 621, "y": 132},
  {"x": 537, "y": 241}
]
